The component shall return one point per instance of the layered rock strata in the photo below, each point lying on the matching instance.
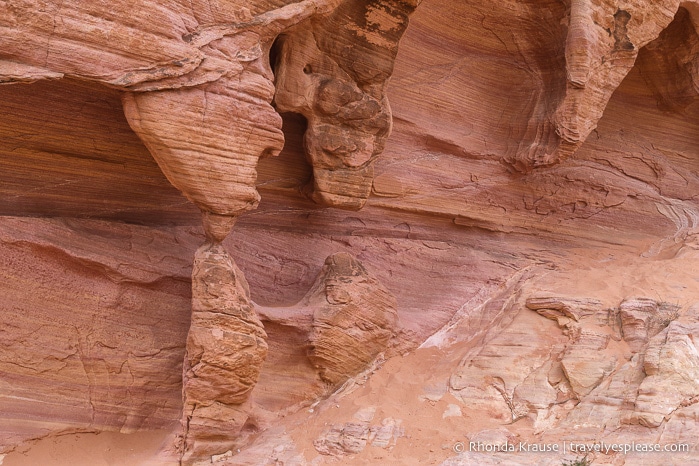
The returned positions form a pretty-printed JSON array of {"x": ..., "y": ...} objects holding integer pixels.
[
  {"x": 209, "y": 64},
  {"x": 602, "y": 44},
  {"x": 568, "y": 372},
  {"x": 344, "y": 324},
  {"x": 229, "y": 98},
  {"x": 445, "y": 226},
  {"x": 354, "y": 317},
  {"x": 226, "y": 347},
  {"x": 199, "y": 99},
  {"x": 94, "y": 321},
  {"x": 604, "y": 378},
  {"x": 335, "y": 72}
]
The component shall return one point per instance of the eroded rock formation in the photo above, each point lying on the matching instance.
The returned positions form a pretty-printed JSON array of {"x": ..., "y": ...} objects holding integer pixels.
[
  {"x": 216, "y": 165},
  {"x": 335, "y": 72},
  {"x": 211, "y": 70},
  {"x": 344, "y": 325},
  {"x": 593, "y": 103},
  {"x": 601, "y": 47},
  {"x": 354, "y": 316},
  {"x": 201, "y": 105},
  {"x": 226, "y": 347},
  {"x": 597, "y": 379},
  {"x": 346, "y": 319}
]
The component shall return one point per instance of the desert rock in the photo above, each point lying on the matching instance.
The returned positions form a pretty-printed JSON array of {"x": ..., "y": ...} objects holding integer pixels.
[
  {"x": 517, "y": 179},
  {"x": 353, "y": 319},
  {"x": 226, "y": 347}
]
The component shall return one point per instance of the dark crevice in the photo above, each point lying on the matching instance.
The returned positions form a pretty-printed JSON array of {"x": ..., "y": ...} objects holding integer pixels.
[{"x": 621, "y": 38}]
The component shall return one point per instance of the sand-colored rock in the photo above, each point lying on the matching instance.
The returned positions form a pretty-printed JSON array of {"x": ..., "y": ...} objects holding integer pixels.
[
  {"x": 601, "y": 47},
  {"x": 353, "y": 437},
  {"x": 643, "y": 318},
  {"x": 335, "y": 73},
  {"x": 542, "y": 158},
  {"x": 490, "y": 377},
  {"x": 671, "y": 365},
  {"x": 354, "y": 317},
  {"x": 585, "y": 363},
  {"x": 553, "y": 307},
  {"x": 226, "y": 347},
  {"x": 94, "y": 318}
]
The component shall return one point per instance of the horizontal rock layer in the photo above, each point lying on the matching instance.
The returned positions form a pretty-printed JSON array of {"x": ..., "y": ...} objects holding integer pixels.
[
  {"x": 93, "y": 326},
  {"x": 592, "y": 255}
]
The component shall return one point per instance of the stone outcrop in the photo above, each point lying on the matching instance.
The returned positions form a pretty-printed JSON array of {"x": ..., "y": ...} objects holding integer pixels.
[
  {"x": 540, "y": 378},
  {"x": 229, "y": 97},
  {"x": 587, "y": 361},
  {"x": 212, "y": 68},
  {"x": 601, "y": 47},
  {"x": 226, "y": 347},
  {"x": 671, "y": 363},
  {"x": 563, "y": 309},
  {"x": 354, "y": 316},
  {"x": 643, "y": 318},
  {"x": 354, "y": 436},
  {"x": 528, "y": 214},
  {"x": 335, "y": 73},
  {"x": 344, "y": 325},
  {"x": 94, "y": 318},
  {"x": 344, "y": 322}
]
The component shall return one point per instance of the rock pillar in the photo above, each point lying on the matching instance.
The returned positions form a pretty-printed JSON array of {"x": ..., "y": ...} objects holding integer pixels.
[{"x": 226, "y": 347}]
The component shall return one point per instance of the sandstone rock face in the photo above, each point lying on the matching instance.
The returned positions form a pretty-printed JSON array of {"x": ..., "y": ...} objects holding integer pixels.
[
  {"x": 219, "y": 177},
  {"x": 94, "y": 318},
  {"x": 353, "y": 437},
  {"x": 335, "y": 74},
  {"x": 340, "y": 331},
  {"x": 528, "y": 214},
  {"x": 353, "y": 321},
  {"x": 670, "y": 364},
  {"x": 643, "y": 318},
  {"x": 217, "y": 73},
  {"x": 602, "y": 44},
  {"x": 585, "y": 364},
  {"x": 226, "y": 347},
  {"x": 212, "y": 66}
]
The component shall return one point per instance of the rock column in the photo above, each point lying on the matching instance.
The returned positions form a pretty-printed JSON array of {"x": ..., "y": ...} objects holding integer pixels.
[{"x": 226, "y": 347}]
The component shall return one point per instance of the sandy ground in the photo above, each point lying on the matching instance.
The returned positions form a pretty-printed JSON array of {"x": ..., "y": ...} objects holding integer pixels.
[{"x": 102, "y": 449}]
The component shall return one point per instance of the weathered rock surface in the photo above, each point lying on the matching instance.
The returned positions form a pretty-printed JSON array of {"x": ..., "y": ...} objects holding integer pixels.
[
  {"x": 601, "y": 47},
  {"x": 671, "y": 365},
  {"x": 335, "y": 73},
  {"x": 94, "y": 319},
  {"x": 211, "y": 66},
  {"x": 534, "y": 213},
  {"x": 354, "y": 316},
  {"x": 539, "y": 404},
  {"x": 353, "y": 437},
  {"x": 585, "y": 363},
  {"x": 226, "y": 347},
  {"x": 343, "y": 326},
  {"x": 643, "y": 318}
]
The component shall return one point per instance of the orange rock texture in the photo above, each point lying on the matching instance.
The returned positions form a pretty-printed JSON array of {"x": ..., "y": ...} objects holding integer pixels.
[{"x": 348, "y": 231}]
